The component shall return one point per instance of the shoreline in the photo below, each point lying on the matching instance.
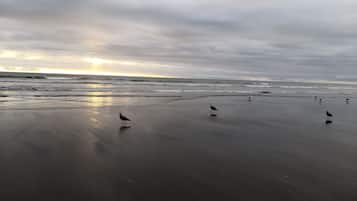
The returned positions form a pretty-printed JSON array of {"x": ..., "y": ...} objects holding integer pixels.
[{"x": 87, "y": 102}]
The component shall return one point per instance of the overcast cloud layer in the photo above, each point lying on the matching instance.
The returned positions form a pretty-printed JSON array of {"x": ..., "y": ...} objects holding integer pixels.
[{"x": 235, "y": 39}]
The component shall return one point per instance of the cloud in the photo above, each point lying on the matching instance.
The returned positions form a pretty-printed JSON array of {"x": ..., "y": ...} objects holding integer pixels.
[{"x": 218, "y": 39}]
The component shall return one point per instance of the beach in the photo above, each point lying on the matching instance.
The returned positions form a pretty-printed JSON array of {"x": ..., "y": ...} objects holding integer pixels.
[
  {"x": 273, "y": 148},
  {"x": 178, "y": 100}
]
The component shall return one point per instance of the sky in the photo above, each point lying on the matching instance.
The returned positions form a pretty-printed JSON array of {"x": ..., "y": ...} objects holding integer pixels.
[{"x": 229, "y": 39}]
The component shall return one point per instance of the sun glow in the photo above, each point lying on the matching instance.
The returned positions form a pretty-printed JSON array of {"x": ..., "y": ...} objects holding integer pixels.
[
  {"x": 10, "y": 54},
  {"x": 7, "y": 54},
  {"x": 40, "y": 62},
  {"x": 97, "y": 61},
  {"x": 76, "y": 72}
]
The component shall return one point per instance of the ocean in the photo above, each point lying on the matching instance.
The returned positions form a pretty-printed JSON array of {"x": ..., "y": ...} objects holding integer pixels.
[{"x": 46, "y": 90}]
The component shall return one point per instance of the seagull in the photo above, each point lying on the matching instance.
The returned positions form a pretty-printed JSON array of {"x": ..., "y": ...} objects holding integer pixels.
[
  {"x": 328, "y": 114},
  {"x": 320, "y": 100},
  {"x": 213, "y": 108},
  {"x": 249, "y": 98},
  {"x": 123, "y": 118}
]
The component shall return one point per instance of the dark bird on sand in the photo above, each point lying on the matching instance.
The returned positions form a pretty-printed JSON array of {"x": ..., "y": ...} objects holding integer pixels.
[
  {"x": 328, "y": 114},
  {"x": 213, "y": 108},
  {"x": 123, "y": 118}
]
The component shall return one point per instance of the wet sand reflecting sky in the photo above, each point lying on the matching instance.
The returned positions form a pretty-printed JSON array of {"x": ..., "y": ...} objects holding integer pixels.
[{"x": 270, "y": 149}]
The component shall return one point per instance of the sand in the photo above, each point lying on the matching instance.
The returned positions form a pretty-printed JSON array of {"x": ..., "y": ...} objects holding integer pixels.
[{"x": 272, "y": 148}]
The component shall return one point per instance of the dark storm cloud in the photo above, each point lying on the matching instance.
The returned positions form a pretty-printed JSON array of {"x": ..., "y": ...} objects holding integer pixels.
[{"x": 277, "y": 39}]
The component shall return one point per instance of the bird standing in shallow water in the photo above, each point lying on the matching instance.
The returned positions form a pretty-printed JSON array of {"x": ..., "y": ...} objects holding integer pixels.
[
  {"x": 347, "y": 100},
  {"x": 213, "y": 111},
  {"x": 329, "y": 116},
  {"x": 250, "y": 98}
]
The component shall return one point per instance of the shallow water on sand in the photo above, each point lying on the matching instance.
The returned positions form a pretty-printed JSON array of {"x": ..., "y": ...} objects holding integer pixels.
[{"x": 20, "y": 91}]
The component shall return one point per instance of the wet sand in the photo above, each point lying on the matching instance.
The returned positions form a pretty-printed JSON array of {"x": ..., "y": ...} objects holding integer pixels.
[{"x": 268, "y": 149}]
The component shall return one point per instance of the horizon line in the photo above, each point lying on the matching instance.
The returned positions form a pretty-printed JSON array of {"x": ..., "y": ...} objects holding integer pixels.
[{"x": 317, "y": 81}]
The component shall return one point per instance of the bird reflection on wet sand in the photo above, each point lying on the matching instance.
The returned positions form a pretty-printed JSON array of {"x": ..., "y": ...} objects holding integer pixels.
[
  {"x": 327, "y": 122},
  {"x": 123, "y": 128}
]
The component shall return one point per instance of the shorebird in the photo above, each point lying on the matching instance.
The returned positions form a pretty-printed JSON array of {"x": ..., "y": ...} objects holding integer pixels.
[
  {"x": 315, "y": 97},
  {"x": 328, "y": 114},
  {"x": 347, "y": 100},
  {"x": 250, "y": 98},
  {"x": 123, "y": 118},
  {"x": 320, "y": 100},
  {"x": 213, "y": 108},
  {"x": 213, "y": 111}
]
